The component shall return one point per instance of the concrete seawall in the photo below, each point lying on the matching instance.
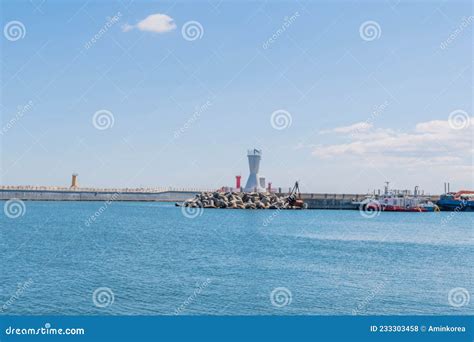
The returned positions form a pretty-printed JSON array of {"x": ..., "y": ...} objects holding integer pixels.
[
  {"x": 338, "y": 201},
  {"x": 313, "y": 200},
  {"x": 332, "y": 201},
  {"x": 77, "y": 195}
]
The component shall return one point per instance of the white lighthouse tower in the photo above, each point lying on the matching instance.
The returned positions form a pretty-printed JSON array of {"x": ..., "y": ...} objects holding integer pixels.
[{"x": 253, "y": 182}]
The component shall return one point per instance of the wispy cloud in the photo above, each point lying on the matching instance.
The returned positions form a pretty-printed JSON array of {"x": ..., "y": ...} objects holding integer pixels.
[
  {"x": 357, "y": 127},
  {"x": 429, "y": 143},
  {"x": 158, "y": 23}
]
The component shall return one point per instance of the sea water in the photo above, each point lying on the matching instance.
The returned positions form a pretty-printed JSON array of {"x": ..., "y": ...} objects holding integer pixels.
[{"x": 136, "y": 258}]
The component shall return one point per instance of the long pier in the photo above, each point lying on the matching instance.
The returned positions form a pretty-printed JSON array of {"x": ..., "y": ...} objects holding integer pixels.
[
  {"x": 97, "y": 194},
  {"x": 30, "y": 193},
  {"x": 332, "y": 201}
]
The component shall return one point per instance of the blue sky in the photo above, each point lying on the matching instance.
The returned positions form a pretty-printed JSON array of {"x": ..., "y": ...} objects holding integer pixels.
[{"x": 362, "y": 111}]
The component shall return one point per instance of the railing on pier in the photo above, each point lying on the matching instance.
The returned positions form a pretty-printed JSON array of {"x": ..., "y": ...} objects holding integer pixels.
[{"x": 90, "y": 189}]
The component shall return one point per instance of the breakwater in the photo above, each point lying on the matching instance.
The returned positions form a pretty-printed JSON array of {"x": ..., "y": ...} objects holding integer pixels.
[
  {"x": 339, "y": 201},
  {"x": 332, "y": 201},
  {"x": 241, "y": 200},
  {"x": 97, "y": 195},
  {"x": 313, "y": 200}
]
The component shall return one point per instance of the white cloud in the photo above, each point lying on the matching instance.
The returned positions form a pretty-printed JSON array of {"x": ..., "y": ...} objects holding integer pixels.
[
  {"x": 158, "y": 23},
  {"x": 127, "y": 27},
  {"x": 429, "y": 143},
  {"x": 357, "y": 127}
]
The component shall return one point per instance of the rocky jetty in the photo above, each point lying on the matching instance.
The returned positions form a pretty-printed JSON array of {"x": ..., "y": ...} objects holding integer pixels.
[{"x": 239, "y": 200}]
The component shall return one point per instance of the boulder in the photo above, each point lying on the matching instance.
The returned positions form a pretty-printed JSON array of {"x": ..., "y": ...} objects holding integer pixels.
[{"x": 237, "y": 200}]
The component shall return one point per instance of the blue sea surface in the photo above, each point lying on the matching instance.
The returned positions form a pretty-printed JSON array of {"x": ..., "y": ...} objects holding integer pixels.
[{"x": 153, "y": 260}]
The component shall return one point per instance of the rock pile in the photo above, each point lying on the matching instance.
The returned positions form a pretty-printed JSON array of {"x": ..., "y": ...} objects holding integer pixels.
[{"x": 238, "y": 200}]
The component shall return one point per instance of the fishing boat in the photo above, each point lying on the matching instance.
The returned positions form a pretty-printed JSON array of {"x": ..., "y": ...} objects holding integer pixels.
[
  {"x": 457, "y": 201},
  {"x": 398, "y": 201}
]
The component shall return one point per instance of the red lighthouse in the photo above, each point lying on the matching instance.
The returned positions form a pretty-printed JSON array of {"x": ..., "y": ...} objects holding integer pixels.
[{"x": 237, "y": 182}]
